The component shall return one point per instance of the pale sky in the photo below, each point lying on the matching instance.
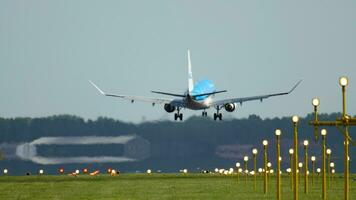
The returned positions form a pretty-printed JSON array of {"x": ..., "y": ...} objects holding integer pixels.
[{"x": 50, "y": 49}]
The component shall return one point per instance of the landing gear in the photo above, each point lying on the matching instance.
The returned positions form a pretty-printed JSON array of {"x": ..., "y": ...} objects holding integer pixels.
[
  {"x": 204, "y": 114},
  {"x": 217, "y": 115},
  {"x": 178, "y": 115}
]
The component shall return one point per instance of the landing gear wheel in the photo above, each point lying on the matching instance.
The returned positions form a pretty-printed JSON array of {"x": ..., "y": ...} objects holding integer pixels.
[
  {"x": 217, "y": 114},
  {"x": 178, "y": 116}
]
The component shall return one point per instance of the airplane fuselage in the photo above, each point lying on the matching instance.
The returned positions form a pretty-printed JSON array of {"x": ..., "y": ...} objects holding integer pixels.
[{"x": 200, "y": 102}]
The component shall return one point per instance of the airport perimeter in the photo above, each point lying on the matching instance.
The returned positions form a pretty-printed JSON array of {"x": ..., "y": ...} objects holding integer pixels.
[{"x": 158, "y": 186}]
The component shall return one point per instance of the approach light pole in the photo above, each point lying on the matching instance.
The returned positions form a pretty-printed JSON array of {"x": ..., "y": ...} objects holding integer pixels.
[
  {"x": 254, "y": 153},
  {"x": 313, "y": 168},
  {"x": 342, "y": 123},
  {"x": 328, "y": 155},
  {"x": 295, "y": 120},
  {"x": 318, "y": 170},
  {"x": 238, "y": 172},
  {"x": 269, "y": 167},
  {"x": 300, "y": 165},
  {"x": 278, "y": 133},
  {"x": 291, "y": 152},
  {"x": 323, "y": 135},
  {"x": 332, "y": 165},
  {"x": 265, "y": 143},
  {"x": 246, "y": 170},
  {"x": 306, "y": 143}
]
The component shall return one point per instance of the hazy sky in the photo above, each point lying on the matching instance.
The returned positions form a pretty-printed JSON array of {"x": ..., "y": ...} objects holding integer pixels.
[{"x": 50, "y": 49}]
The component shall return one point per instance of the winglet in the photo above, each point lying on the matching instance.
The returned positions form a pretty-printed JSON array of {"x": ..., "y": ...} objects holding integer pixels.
[
  {"x": 102, "y": 92},
  {"x": 295, "y": 86}
]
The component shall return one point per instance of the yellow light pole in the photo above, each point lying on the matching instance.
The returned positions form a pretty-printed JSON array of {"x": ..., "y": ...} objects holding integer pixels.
[
  {"x": 278, "y": 133},
  {"x": 306, "y": 143},
  {"x": 289, "y": 171},
  {"x": 343, "y": 81},
  {"x": 300, "y": 165},
  {"x": 332, "y": 175},
  {"x": 265, "y": 143},
  {"x": 313, "y": 168},
  {"x": 343, "y": 125},
  {"x": 323, "y": 135},
  {"x": 318, "y": 170},
  {"x": 269, "y": 165},
  {"x": 238, "y": 171},
  {"x": 246, "y": 170},
  {"x": 332, "y": 165},
  {"x": 291, "y": 152},
  {"x": 295, "y": 120},
  {"x": 254, "y": 153},
  {"x": 328, "y": 154}
]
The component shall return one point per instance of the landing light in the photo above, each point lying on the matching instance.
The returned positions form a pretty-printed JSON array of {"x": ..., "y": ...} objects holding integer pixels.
[
  {"x": 265, "y": 142},
  {"x": 315, "y": 102},
  {"x": 343, "y": 81},
  {"x": 254, "y": 151},
  {"x": 238, "y": 164},
  {"x": 312, "y": 158},
  {"x": 246, "y": 158},
  {"x": 295, "y": 118}
]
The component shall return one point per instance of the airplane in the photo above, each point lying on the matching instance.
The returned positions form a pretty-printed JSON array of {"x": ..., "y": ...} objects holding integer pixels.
[{"x": 198, "y": 96}]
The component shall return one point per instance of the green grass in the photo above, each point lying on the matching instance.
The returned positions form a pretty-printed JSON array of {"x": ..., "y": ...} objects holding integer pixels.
[{"x": 156, "y": 187}]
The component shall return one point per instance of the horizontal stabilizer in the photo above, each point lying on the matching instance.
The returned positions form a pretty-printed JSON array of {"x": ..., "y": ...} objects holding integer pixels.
[
  {"x": 210, "y": 93},
  {"x": 169, "y": 94}
]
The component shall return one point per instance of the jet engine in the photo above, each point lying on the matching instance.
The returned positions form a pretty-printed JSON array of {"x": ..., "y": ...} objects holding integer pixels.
[
  {"x": 169, "y": 108},
  {"x": 229, "y": 107}
]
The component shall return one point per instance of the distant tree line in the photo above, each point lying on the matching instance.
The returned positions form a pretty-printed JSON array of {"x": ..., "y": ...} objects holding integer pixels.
[{"x": 193, "y": 142}]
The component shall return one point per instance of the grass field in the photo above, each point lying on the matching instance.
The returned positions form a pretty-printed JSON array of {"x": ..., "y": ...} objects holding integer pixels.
[{"x": 156, "y": 187}]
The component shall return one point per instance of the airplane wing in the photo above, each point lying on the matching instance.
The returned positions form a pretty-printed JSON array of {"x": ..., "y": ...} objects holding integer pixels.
[
  {"x": 139, "y": 98},
  {"x": 244, "y": 99}
]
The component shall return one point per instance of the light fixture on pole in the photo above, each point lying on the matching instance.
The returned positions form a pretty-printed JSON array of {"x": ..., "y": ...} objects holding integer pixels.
[
  {"x": 254, "y": 153},
  {"x": 291, "y": 152},
  {"x": 265, "y": 143},
  {"x": 238, "y": 170},
  {"x": 295, "y": 120},
  {"x": 316, "y": 103},
  {"x": 323, "y": 135},
  {"x": 328, "y": 155},
  {"x": 318, "y": 170},
  {"x": 289, "y": 171},
  {"x": 306, "y": 143},
  {"x": 300, "y": 165},
  {"x": 246, "y": 170},
  {"x": 278, "y": 133},
  {"x": 332, "y": 165},
  {"x": 313, "y": 168}
]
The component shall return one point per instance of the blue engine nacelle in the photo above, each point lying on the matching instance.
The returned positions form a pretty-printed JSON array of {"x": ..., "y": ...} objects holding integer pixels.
[
  {"x": 230, "y": 107},
  {"x": 169, "y": 108}
]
